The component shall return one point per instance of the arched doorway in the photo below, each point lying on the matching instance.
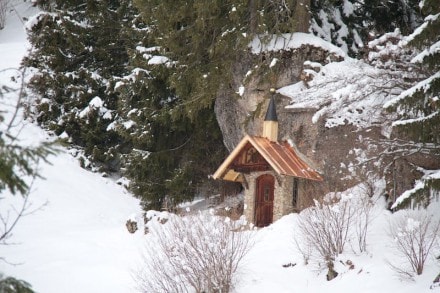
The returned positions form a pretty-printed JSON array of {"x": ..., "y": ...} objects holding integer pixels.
[{"x": 265, "y": 185}]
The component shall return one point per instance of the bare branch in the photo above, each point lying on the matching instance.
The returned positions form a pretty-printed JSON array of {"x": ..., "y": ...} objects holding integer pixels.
[
  {"x": 8, "y": 224},
  {"x": 414, "y": 234},
  {"x": 196, "y": 253}
]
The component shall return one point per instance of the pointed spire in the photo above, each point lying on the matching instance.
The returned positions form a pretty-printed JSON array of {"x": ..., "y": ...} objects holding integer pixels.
[
  {"x": 271, "y": 114},
  {"x": 270, "y": 124}
]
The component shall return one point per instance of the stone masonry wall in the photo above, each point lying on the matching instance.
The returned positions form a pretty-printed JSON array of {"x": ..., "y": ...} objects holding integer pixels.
[{"x": 282, "y": 204}]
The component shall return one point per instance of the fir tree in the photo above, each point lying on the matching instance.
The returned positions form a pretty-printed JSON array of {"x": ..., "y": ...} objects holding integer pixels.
[
  {"x": 351, "y": 24},
  {"x": 17, "y": 161},
  {"x": 78, "y": 48},
  {"x": 178, "y": 67},
  {"x": 13, "y": 285},
  {"x": 418, "y": 108},
  {"x": 172, "y": 155},
  {"x": 205, "y": 41}
]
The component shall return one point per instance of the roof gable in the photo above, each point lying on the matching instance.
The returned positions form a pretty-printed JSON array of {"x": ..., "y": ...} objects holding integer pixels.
[{"x": 282, "y": 158}]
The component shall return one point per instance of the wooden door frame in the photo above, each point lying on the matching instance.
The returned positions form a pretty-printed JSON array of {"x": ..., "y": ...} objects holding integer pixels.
[{"x": 259, "y": 204}]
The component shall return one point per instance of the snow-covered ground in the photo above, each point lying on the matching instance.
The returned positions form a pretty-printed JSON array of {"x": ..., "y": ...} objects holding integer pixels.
[{"x": 76, "y": 240}]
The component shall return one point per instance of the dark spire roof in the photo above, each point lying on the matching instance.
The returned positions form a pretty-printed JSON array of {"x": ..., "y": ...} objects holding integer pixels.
[{"x": 271, "y": 114}]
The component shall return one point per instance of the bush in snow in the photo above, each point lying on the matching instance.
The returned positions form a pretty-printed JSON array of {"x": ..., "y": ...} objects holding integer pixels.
[
  {"x": 326, "y": 228},
  {"x": 195, "y": 253},
  {"x": 414, "y": 234}
]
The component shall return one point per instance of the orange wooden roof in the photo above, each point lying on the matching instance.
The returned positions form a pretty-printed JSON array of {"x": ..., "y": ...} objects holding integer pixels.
[{"x": 281, "y": 157}]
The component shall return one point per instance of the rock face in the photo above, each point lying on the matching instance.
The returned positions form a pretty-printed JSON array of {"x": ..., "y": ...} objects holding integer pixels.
[
  {"x": 333, "y": 151},
  {"x": 239, "y": 115}
]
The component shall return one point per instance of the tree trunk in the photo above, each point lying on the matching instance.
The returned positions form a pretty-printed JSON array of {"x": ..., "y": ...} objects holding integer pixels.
[{"x": 302, "y": 16}]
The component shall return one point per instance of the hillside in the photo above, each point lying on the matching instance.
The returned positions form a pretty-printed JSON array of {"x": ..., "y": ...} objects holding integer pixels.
[{"x": 75, "y": 238}]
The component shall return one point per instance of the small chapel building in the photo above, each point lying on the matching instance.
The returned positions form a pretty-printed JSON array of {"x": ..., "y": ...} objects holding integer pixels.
[{"x": 273, "y": 174}]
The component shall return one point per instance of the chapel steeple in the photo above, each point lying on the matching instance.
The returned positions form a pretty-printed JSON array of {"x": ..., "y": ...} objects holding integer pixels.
[{"x": 270, "y": 124}]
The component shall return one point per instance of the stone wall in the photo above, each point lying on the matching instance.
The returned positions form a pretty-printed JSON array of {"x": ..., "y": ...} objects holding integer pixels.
[{"x": 282, "y": 204}]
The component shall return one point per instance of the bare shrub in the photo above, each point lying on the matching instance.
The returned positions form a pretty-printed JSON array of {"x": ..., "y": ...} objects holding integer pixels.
[
  {"x": 328, "y": 227},
  {"x": 362, "y": 222},
  {"x": 195, "y": 253},
  {"x": 325, "y": 228},
  {"x": 414, "y": 233},
  {"x": 363, "y": 212}
]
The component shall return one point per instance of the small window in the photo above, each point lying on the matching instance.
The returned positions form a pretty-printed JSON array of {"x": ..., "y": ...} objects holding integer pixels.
[
  {"x": 266, "y": 192},
  {"x": 295, "y": 193}
]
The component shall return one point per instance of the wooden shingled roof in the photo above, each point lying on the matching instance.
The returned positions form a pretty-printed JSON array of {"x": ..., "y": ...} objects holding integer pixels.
[{"x": 281, "y": 157}]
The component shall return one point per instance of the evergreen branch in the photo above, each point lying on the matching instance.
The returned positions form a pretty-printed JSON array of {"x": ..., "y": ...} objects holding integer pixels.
[
  {"x": 144, "y": 152},
  {"x": 8, "y": 226}
]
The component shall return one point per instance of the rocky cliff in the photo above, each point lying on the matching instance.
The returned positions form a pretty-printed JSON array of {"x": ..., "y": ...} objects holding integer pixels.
[{"x": 345, "y": 153}]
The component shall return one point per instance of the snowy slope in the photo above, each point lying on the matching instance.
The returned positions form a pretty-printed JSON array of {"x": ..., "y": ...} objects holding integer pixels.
[
  {"x": 371, "y": 273},
  {"x": 76, "y": 240}
]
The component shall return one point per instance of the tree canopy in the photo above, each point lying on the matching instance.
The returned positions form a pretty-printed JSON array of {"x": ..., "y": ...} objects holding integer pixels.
[
  {"x": 133, "y": 82},
  {"x": 418, "y": 108}
]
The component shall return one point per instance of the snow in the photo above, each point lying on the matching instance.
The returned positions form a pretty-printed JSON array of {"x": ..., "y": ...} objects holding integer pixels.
[
  {"x": 241, "y": 90},
  {"x": 142, "y": 49},
  {"x": 423, "y": 85},
  {"x": 96, "y": 103},
  {"x": 76, "y": 239},
  {"x": 152, "y": 59},
  {"x": 273, "y": 62},
  {"x": 408, "y": 193},
  {"x": 420, "y": 29},
  {"x": 129, "y": 124},
  {"x": 419, "y": 185},
  {"x": 416, "y": 120},
  {"x": 348, "y": 8},
  {"x": 63, "y": 135},
  {"x": 433, "y": 49},
  {"x": 292, "y": 41},
  {"x": 341, "y": 98},
  {"x": 275, "y": 265},
  {"x": 157, "y": 60},
  {"x": 325, "y": 29}
]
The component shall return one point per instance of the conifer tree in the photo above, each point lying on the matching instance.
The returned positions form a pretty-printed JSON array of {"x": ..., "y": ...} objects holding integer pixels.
[
  {"x": 78, "y": 48},
  {"x": 166, "y": 102},
  {"x": 205, "y": 40},
  {"x": 351, "y": 24},
  {"x": 13, "y": 285},
  {"x": 418, "y": 108},
  {"x": 171, "y": 155}
]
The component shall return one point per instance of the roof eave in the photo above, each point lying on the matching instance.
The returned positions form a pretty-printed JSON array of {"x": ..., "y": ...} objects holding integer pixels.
[{"x": 224, "y": 166}]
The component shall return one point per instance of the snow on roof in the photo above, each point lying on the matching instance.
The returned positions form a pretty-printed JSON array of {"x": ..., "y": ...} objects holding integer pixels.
[{"x": 292, "y": 41}]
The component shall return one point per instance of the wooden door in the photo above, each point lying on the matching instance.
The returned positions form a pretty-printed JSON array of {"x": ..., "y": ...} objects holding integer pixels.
[{"x": 264, "y": 200}]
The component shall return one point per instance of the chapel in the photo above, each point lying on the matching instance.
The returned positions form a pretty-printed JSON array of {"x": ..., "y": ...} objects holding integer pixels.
[{"x": 274, "y": 175}]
